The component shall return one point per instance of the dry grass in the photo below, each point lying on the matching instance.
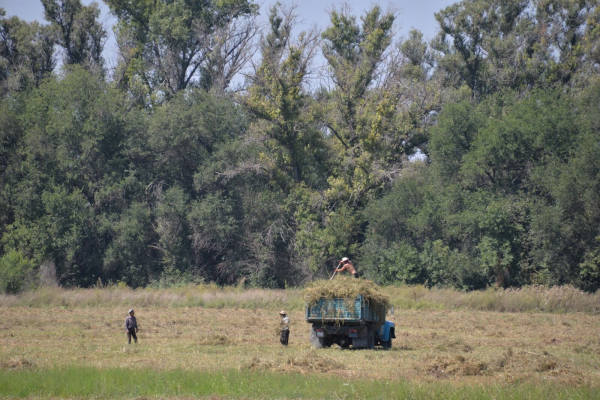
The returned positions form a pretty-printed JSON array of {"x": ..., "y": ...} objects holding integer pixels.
[
  {"x": 18, "y": 362},
  {"x": 207, "y": 296},
  {"x": 462, "y": 347},
  {"x": 558, "y": 299},
  {"x": 311, "y": 361},
  {"x": 528, "y": 299}
]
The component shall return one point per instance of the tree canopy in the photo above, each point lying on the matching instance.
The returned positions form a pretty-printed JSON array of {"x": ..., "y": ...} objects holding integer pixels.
[{"x": 218, "y": 149}]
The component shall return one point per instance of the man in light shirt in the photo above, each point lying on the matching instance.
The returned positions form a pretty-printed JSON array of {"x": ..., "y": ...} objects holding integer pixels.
[{"x": 285, "y": 328}]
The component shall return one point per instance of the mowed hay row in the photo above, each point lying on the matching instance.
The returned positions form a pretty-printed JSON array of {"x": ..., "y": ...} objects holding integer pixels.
[
  {"x": 510, "y": 347},
  {"x": 302, "y": 362}
]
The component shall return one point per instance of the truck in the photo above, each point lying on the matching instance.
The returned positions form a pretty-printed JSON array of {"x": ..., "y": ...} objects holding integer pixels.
[{"x": 349, "y": 322}]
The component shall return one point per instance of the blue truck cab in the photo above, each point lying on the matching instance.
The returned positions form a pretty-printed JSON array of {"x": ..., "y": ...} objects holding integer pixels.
[{"x": 348, "y": 322}]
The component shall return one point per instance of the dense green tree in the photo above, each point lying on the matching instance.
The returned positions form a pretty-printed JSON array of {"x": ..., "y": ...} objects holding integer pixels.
[
  {"x": 277, "y": 97},
  {"x": 358, "y": 115},
  {"x": 26, "y": 53},
  {"x": 469, "y": 161},
  {"x": 473, "y": 33},
  {"x": 129, "y": 255},
  {"x": 565, "y": 218},
  {"x": 505, "y": 190},
  {"x": 79, "y": 32},
  {"x": 167, "y": 45},
  {"x": 16, "y": 273},
  {"x": 492, "y": 45},
  {"x": 563, "y": 25},
  {"x": 68, "y": 160}
]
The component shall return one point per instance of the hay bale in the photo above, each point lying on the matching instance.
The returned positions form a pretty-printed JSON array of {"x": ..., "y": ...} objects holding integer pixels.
[{"x": 348, "y": 288}]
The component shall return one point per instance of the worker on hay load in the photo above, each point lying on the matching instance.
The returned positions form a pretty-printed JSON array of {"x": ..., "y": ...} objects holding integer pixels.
[
  {"x": 131, "y": 326},
  {"x": 346, "y": 265},
  {"x": 285, "y": 328}
]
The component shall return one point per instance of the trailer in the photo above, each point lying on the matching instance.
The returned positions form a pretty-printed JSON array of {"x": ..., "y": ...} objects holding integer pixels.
[{"x": 348, "y": 322}]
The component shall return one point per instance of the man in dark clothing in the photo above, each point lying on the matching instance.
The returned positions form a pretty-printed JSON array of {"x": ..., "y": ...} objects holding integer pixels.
[{"x": 131, "y": 326}]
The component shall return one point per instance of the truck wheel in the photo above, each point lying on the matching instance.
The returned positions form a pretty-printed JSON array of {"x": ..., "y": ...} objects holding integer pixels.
[
  {"x": 370, "y": 338},
  {"x": 316, "y": 342},
  {"x": 387, "y": 344}
]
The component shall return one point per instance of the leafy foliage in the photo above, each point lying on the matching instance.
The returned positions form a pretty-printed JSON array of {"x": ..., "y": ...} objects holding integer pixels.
[
  {"x": 16, "y": 273},
  {"x": 471, "y": 160}
]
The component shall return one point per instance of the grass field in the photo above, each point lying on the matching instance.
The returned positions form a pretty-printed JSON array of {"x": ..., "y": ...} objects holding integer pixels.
[{"x": 225, "y": 351}]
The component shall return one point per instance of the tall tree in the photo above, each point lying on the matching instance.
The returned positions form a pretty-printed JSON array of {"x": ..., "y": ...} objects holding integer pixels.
[
  {"x": 517, "y": 44},
  {"x": 359, "y": 111},
  {"x": 169, "y": 45},
  {"x": 26, "y": 52},
  {"x": 277, "y": 95},
  {"x": 473, "y": 32},
  {"x": 80, "y": 33},
  {"x": 71, "y": 181}
]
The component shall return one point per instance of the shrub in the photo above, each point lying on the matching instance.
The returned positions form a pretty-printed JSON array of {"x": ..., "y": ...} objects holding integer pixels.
[{"x": 16, "y": 273}]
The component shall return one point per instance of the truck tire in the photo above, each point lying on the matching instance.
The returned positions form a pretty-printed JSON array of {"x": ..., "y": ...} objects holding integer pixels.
[
  {"x": 387, "y": 344},
  {"x": 316, "y": 342},
  {"x": 370, "y": 338}
]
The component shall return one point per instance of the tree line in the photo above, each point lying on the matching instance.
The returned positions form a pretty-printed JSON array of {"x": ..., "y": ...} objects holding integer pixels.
[{"x": 218, "y": 149}]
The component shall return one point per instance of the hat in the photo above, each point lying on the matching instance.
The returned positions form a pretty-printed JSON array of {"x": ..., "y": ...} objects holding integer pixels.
[
  {"x": 282, "y": 312},
  {"x": 345, "y": 259},
  {"x": 130, "y": 311}
]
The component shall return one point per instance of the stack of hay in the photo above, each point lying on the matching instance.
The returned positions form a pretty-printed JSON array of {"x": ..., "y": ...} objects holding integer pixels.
[{"x": 347, "y": 288}]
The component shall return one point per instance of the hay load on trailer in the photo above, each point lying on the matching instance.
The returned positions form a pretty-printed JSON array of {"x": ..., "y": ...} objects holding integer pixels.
[{"x": 348, "y": 312}]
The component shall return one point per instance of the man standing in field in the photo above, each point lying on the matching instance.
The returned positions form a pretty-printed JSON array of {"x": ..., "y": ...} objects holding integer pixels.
[
  {"x": 346, "y": 265},
  {"x": 131, "y": 326},
  {"x": 285, "y": 328}
]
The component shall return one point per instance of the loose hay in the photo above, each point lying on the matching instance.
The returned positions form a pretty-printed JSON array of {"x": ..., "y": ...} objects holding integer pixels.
[
  {"x": 309, "y": 362},
  {"x": 442, "y": 366},
  {"x": 214, "y": 340},
  {"x": 458, "y": 345},
  {"x": 17, "y": 363},
  {"x": 314, "y": 362},
  {"x": 514, "y": 357},
  {"x": 348, "y": 288}
]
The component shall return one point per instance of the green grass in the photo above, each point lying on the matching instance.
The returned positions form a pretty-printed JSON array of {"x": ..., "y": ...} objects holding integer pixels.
[{"x": 81, "y": 382}]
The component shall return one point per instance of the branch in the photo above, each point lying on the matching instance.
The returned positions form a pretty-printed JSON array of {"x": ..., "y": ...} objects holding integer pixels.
[{"x": 337, "y": 135}]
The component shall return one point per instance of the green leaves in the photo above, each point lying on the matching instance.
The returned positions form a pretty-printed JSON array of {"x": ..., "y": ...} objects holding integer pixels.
[
  {"x": 469, "y": 161},
  {"x": 277, "y": 95},
  {"x": 78, "y": 31},
  {"x": 508, "y": 191},
  {"x": 16, "y": 273},
  {"x": 170, "y": 43},
  {"x": 26, "y": 53}
]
